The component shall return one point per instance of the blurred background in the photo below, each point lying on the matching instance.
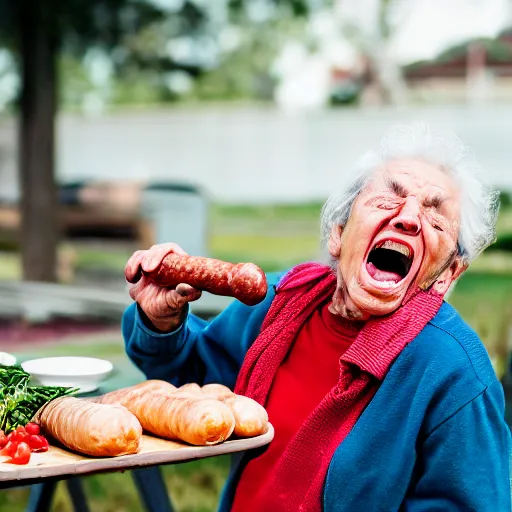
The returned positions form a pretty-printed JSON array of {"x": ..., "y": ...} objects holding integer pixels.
[{"x": 221, "y": 125}]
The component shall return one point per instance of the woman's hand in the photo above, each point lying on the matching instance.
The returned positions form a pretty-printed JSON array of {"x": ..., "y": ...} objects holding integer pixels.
[{"x": 165, "y": 308}]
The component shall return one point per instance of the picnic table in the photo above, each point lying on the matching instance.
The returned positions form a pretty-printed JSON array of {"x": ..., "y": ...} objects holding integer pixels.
[{"x": 144, "y": 466}]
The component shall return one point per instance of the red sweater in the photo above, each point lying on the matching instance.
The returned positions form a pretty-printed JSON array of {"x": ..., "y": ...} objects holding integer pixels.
[{"x": 306, "y": 375}]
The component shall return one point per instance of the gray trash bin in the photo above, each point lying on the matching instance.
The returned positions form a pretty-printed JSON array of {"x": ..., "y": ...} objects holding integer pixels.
[{"x": 179, "y": 213}]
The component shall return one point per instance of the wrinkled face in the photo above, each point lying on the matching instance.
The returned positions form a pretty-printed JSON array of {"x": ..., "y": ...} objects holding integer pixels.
[{"x": 401, "y": 235}]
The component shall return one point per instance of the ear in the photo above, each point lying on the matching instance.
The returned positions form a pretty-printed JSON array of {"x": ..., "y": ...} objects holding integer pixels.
[
  {"x": 334, "y": 244},
  {"x": 449, "y": 275}
]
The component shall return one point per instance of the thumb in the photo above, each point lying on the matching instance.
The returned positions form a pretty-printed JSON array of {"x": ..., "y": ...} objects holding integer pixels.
[{"x": 188, "y": 293}]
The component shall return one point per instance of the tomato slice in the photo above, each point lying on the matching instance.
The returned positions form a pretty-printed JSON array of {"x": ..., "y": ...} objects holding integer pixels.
[
  {"x": 32, "y": 428},
  {"x": 18, "y": 435},
  {"x": 9, "y": 449},
  {"x": 3, "y": 439},
  {"x": 45, "y": 445},
  {"x": 38, "y": 443},
  {"x": 22, "y": 454}
]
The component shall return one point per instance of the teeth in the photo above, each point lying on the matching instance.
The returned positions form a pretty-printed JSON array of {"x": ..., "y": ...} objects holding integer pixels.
[
  {"x": 389, "y": 284},
  {"x": 395, "y": 246}
]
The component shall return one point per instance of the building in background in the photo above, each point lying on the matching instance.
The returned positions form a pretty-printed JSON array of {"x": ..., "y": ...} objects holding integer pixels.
[{"x": 478, "y": 70}]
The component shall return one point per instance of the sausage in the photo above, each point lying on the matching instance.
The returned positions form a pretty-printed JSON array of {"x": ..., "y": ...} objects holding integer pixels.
[
  {"x": 243, "y": 281},
  {"x": 91, "y": 428},
  {"x": 194, "y": 419}
]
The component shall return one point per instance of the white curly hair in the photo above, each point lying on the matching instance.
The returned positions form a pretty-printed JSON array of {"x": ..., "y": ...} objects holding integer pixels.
[{"x": 479, "y": 203}]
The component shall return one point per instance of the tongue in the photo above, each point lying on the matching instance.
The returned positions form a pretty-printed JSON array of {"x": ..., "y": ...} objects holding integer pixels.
[{"x": 382, "y": 275}]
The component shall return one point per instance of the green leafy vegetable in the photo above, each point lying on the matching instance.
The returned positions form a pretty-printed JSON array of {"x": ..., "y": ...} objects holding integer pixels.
[{"x": 19, "y": 401}]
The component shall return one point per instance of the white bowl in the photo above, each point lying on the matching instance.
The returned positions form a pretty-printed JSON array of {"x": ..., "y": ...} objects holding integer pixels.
[
  {"x": 7, "y": 359},
  {"x": 85, "y": 373}
]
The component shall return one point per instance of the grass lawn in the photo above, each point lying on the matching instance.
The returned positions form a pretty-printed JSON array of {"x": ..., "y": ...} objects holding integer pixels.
[
  {"x": 484, "y": 300},
  {"x": 193, "y": 487},
  {"x": 274, "y": 237}
]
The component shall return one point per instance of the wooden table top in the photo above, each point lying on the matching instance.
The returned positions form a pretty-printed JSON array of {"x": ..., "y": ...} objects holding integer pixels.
[{"x": 58, "y": 462}]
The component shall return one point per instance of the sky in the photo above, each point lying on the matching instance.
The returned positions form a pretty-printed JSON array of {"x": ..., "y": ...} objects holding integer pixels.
[
  {"x": 424, "y": 28},
  {"x": 432, "y": 25}
]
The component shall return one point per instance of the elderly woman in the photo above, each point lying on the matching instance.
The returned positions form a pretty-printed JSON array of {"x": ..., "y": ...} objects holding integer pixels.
[{"x": 382, "y": 398}]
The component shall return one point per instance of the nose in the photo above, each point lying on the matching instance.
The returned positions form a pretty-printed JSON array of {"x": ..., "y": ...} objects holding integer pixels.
[{"x": 408, "y": 218}]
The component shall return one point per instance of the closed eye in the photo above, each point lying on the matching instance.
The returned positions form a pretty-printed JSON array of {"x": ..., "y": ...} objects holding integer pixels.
[
  {"x": 388, "y": 205},
  {"x": 384, "y": 203},
  {"x": 435, "y": 221}
]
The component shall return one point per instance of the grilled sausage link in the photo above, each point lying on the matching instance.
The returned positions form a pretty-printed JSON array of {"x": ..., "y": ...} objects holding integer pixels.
[{"x": 243, "y": 281}]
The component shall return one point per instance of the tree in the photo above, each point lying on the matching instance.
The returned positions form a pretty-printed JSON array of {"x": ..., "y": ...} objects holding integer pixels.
[
  {"x": 374, "y": 39},
  {"x": 38, "y": 45},
  {"x": 37, "y": 32},
  {"x": 246, "y": 71}
]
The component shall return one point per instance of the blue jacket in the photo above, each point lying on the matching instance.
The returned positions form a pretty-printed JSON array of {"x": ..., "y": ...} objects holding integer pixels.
[{"x": 433, "y": 438}]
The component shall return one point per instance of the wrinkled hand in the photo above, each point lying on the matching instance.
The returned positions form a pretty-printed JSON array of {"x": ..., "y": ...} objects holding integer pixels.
[{"x": 164, "y": 307}]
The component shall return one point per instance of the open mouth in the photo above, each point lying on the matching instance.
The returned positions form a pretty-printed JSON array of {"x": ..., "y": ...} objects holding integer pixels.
[{"x": 389, "y": 261}]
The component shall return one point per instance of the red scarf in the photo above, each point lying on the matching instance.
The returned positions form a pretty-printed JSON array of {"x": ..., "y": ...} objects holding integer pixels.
[{"x": 298, "y": 478}]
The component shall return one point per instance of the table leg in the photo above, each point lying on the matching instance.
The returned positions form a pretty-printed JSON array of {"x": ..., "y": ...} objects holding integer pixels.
[
  {"x": 76, "y": 491},
  {"x": 152, "y": 489},
  {"x": 41, "y": 496}
]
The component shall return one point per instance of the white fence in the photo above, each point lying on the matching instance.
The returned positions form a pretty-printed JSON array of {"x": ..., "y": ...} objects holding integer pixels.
[{"x": 251, "y": 154}]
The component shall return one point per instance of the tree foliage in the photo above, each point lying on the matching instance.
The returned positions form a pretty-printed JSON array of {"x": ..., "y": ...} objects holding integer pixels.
[{"x": 132, "y": 32}]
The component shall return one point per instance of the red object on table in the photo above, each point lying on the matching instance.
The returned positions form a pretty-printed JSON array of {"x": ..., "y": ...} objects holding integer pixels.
[
  {"x": 22, "y": 454},
  {"x": 20, "y": 443}
]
